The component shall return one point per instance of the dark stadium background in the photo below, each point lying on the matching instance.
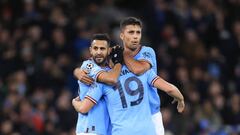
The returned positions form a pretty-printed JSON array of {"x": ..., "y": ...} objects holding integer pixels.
[{"x": 197, "y": 43}]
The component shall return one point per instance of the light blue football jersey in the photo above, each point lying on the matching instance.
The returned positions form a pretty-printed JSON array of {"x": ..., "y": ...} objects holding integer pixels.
[
  {"x": 97, "y": 119},
  {"x": 127, "y": 103},
  {"x": 148, "y": 54}
]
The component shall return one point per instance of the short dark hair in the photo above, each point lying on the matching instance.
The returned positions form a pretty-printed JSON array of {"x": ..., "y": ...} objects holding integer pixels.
[
  {"x": 101, "y": 36},
  {"x": 130, "y": 21}
]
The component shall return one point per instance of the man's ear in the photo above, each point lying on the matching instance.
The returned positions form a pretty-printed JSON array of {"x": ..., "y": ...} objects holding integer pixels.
[
  {"x": 121, "y": 35},
  {"x": 90, "y": 50},
  {"x": 109, "y": 50}
]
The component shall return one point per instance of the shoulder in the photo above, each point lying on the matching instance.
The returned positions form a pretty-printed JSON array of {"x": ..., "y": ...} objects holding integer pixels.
[
  {"x": 146, "y": 48},
  {"x": 147, "y": 52},
  {"x": 88, "y": 64},
  {"x": 84, "y": 63}
]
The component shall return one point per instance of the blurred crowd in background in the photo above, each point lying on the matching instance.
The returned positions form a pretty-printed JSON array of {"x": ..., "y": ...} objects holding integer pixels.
[{"x": 197, "y": 43}]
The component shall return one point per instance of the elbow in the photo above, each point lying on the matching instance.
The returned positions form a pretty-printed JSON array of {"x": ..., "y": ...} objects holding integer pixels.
[
  {"x": 76, "y": 73},
  {"x": 138, "y": 71},
  {"x": 79, "y": 108},
  {"x": 82, "y": 110},
  {"x": 113, "y": 81}
]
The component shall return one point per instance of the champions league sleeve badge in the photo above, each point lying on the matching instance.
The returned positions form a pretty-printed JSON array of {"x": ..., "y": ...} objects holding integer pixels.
[{"x": 89, "y": 66}]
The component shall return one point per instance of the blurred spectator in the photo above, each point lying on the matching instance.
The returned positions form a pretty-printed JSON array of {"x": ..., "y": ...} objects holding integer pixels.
[
  {"x": 231, "y": 114},
  {"x": 193, "y": 49}
]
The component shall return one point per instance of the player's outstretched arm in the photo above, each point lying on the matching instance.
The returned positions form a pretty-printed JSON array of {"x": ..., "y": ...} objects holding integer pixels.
[
  {"x": 171, "y": 90},
  {"x": 82, "y": 106},
  {"x": 82, "y": 76},
  {"x": 138, "y": 67}
]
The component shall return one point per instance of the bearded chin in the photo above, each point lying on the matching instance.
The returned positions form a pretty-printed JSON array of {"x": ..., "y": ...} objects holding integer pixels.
[
  {"x": 133, "y": 49},
  {"x": 99, "y": 62}
]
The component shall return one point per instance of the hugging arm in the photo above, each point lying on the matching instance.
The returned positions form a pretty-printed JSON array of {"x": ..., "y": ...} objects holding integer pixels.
[{"x": 82, "y": 106}]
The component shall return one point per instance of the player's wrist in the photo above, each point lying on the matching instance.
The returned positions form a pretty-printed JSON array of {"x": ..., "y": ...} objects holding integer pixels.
[
  {"x": 117, "y": 62},
  {"x": 180, "y": 99}
]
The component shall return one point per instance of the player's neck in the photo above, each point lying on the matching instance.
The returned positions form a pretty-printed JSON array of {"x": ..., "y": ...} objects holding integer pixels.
[
  {"x": 133, "y": 52},
  {"x": 103, "y": 65}
]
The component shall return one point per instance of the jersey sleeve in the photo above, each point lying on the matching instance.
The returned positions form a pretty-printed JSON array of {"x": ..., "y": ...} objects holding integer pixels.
[
  {"x": 93, "y": 69},
  {"x": 152, "y": 77},
  {"x": 95, "y": 92},
  {"x": 148, "y": 54}
]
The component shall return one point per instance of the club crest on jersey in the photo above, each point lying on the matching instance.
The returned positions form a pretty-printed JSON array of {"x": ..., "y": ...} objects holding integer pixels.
[{"x": 146, "y": 55}]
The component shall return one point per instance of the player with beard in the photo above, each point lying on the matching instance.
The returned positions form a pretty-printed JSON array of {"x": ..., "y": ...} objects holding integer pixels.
[{"x": 96, "y": 121}]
